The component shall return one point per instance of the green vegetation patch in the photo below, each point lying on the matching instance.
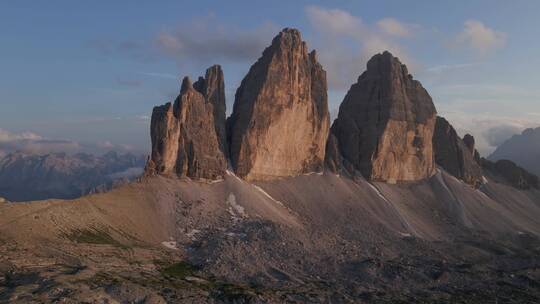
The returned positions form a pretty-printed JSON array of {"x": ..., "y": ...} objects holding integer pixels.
[
  {"x": 94, "y": 236},
  {"x": 179, "y": 270}
]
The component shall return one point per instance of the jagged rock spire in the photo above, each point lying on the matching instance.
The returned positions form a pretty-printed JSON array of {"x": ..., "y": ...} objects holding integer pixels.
[
  {"x": 184, "y": 138},
  {"x": 280, "y": 119}
]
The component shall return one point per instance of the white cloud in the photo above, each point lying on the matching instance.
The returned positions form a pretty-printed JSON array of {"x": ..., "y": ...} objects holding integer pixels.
[
  {"x": 6, "y": 136},
  {"x": 129, "y": 173},
  {"x": 449, "y": 67},
  {"x": 345, "y": 43},
  {"x": 479, "y": 37},
  {"x": 30, "y": 142},
  {"x": 159, "y": 75},
  {"x": 394, "y": 27},
  {"x": 334, "y": 21},
  {"x": 106, "y": 144},
  {"x": 208, "y": 42},
  {"x": 488, "y": 130},
  {"x": 485, "y": 111}
]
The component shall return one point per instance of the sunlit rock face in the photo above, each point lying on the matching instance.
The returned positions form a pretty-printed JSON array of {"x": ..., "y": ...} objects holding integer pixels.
[
  {"x": 280, "y": 120},
  {"x": 385, "y": 124}
]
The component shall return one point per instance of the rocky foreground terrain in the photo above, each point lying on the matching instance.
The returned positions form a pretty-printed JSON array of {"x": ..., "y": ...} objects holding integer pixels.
[
  {"x": 389, "y": 205},
  {"x": 306, "y": 239}
]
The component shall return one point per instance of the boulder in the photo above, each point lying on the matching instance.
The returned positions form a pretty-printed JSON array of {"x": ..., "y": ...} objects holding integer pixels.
[
  {"x": 184, "y": 136},
  {"x": 455, "y": 155},
  {"x": 385, "y": 124},
  {"x": 280, "y": 120}
]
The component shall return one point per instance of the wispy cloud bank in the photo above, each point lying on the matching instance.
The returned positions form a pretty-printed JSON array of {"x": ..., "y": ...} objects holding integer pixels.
[
  {"x": 449, "y": 67},
  {"x": 159, "y": 75},
  {"x": 396, "y": 28},
  {"x": 345, "y": 42},
  {"x": 487, "y": 111},
  {"x": 480, "y": 38},
  {"x": 207, "y": 41},
  {"x": 30, "y": 142}
]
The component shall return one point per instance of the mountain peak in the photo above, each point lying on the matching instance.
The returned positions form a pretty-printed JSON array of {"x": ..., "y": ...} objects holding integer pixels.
[
  {"x": 186, "y": 85},
  {"x": 280, "y": 119},
  {"x": 386, "y": 122}
]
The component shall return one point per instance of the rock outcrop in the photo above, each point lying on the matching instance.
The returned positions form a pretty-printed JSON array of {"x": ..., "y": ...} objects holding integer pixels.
[
  {"x": 385, "y": 124},
  {"x": 212, "y": 86},
  {"x": 511, "y": 174},
  {"x": 184, "y": 136},
  {"x": 469, "y": 141},
  {"x": 280, "y": 120},
  {"x": 455, "y": 155}
]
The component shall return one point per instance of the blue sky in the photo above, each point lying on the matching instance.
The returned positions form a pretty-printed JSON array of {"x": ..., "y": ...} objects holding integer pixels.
[{"x": 86, "y": 74}]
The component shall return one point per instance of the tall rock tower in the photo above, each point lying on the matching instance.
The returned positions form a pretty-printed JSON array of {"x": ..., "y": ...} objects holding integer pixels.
[
  {"x": 185, "y": 136},
  {"x": 385, "y": 124},
  {"x": 280, "y": 121}
]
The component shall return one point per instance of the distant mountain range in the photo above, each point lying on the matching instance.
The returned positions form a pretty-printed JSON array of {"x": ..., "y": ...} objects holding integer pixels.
[
  {"x": 523, "y": 149},
  {"x": 25, "y": 176}
]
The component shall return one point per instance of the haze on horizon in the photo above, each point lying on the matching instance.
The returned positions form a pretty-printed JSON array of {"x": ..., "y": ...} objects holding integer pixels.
[{"x": 85, "y": 76}]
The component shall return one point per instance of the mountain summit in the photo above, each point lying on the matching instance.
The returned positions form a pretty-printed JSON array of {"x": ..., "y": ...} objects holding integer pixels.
[
  {"x": 280, "y": 118},
  {"x": 385, "y": 124}
]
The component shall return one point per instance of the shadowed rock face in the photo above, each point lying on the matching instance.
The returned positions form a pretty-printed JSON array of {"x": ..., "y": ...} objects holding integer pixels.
[
  {"x": 456, "y": 155},
  {"x": 212, "y": 86},
  {"x": 469, "y": 141},
  {"x": 280, "y": 120},
  {"x": 184, "y": 135},
  {"x": 385, "y": 123}
]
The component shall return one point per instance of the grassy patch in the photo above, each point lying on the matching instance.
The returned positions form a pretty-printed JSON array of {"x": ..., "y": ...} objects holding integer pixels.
[
  {"x": 229, "y": 292},
  {"x": 94, "y": 236},
  {"x": 233, "y": 292},
  {"x": 179, "y": 270}
]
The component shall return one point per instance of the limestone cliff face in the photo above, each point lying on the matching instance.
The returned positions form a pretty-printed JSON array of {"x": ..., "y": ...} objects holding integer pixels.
[
  {"x": 184, "y": 136},
  {"x": 385, "y": 124},
  {"x": 280, "y": 121},
  {"x": 455, "y": 155},
  {"x": 212, "y": 86}
]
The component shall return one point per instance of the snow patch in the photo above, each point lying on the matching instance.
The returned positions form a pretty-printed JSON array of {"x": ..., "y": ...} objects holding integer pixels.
[
  {"x": 312, "y": 173},
  {"x": 235, "y": 210},
  {"x": 192, "y": 233},
  {"x": 267, "y": 195},
  {"x": 484, "y": 180},
  {"x": 230, "y": 173},
  {"x": 170, "y": 245},
  {"x": 378, "y": 192}
]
